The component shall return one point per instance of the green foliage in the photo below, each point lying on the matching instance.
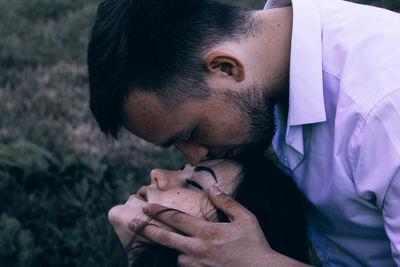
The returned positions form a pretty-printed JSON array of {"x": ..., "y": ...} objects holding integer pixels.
[
  {"x": 17, "y": 245},
  {"x": 36, "y": 32},
  {"x": 54, "y": 213},
  {"x": 389, "y": 4}
]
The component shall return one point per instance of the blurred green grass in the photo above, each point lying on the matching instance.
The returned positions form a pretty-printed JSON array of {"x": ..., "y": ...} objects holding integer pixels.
[{"x": 58, "y": 175}]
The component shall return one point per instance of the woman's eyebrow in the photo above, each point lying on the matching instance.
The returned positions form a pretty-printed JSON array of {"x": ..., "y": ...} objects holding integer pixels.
[{"x": 204, "y": 168}]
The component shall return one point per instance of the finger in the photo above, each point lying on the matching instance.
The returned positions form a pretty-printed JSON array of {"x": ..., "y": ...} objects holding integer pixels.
[
  {"x": 233, "y": 209},
  {"x": 186, "y": 261},
  {"x": 137, "y": 226},
  {"x": 163, "y": 237},
  {"x": 176, "y": 219}
]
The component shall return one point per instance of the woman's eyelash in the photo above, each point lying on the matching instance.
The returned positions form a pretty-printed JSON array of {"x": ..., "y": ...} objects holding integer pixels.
[
  {"x": 181, "y": 168},
  {"x": 193, "y": 183}
]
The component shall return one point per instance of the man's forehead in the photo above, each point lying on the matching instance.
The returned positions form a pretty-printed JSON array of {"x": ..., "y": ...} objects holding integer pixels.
[
  {"x": 140, "y": 101},
  {"x": 148, "y": 118},
  {"x": 145, "y": 116}
]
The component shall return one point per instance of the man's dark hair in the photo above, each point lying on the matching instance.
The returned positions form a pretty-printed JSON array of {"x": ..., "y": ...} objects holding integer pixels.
[{"x": 154, "y": 46}]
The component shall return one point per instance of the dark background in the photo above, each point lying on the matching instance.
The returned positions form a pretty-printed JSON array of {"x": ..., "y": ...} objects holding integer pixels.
[{"x": 58, "y": 175}]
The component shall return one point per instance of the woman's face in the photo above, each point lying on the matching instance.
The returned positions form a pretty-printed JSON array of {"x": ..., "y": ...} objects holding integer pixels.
[{"x": 184, "y": 190}]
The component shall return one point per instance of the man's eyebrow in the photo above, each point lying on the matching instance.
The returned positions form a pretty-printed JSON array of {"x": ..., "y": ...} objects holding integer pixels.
[
  {"x": 204, "y": 168},
  {"x": 175, "y": 137}
]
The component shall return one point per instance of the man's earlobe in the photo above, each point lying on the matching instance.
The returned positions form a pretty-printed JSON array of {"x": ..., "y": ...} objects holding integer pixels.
[{"x": 218, "y": 62}]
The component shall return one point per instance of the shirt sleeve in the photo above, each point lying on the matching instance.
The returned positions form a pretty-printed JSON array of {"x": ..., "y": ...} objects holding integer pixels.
[{"x": 377, "y": 164}]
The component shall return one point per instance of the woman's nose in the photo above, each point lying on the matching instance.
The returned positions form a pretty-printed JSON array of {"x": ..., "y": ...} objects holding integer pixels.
[
  {"x": 160, "y": 178},
  {"x": 192, "y": 152}
]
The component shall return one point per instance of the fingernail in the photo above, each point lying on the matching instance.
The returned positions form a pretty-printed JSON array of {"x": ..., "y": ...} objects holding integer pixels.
[
  {"x": 146, "y": 209},
  {"x": 215, "y": 190},
  {"x": 133, "y": 225}
]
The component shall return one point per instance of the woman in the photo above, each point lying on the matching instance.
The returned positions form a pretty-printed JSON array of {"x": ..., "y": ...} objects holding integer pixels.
[{"x": 253, "y": 181}]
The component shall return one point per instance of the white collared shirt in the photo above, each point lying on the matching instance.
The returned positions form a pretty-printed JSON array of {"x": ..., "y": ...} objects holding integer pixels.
[{"x": 341, "y": 139}]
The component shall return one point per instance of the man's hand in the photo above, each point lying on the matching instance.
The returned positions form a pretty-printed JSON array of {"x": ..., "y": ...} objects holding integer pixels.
[{"x": 240, "y": 242}]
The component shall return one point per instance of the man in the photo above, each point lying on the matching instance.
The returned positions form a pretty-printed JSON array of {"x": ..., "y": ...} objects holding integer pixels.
[{"x": 213, "y": 80}]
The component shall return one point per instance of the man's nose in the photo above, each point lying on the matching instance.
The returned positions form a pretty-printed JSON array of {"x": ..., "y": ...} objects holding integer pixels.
[
  {"x": 192, "y": 152},
  {"x": 159, "y": 178}
]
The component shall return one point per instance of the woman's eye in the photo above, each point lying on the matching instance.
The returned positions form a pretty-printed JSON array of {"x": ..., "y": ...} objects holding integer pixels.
[
  {"x": 182, "y": 168},
  {"x": 193, "y": 183}
]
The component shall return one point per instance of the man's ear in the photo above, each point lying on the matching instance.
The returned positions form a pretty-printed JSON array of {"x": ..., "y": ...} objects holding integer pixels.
[{"x": 226, "y": 64}]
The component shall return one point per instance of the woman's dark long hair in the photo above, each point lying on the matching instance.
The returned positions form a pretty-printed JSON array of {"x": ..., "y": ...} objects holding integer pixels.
[
  {"x": 277, "y": 203},
  {"x": 270, "y": 195}
]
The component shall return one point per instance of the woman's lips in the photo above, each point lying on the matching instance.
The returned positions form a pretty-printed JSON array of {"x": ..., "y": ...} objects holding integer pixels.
[
  {"x": 136, "y": 196},
  {"x": 142, "y": 192}
]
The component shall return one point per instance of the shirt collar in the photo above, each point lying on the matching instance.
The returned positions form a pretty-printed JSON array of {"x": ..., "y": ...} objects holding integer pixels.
[{"x": 306, "y": 100}]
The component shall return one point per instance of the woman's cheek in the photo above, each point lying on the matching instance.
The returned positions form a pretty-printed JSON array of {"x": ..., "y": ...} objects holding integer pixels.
[{"x": 188, "y": 202}]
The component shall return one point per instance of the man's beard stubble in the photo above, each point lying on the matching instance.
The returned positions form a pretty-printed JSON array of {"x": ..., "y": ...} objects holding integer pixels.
[{"x": 257, "y": 104}]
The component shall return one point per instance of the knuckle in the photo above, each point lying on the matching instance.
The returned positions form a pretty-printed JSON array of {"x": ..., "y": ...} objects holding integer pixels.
[
  {"x": 207, "y": 233},
  {"x": 176, "y": 218},
  {"x": 201, "y": 249},
  {"x": 163, "y": 238},
  {"x": 182, "y": 260},
  {"x": 249, "y": 219},
  {"x": 229, "y": 203}
]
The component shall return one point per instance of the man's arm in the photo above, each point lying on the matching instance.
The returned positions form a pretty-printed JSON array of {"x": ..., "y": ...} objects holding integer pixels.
[
  {"x": 391, "y": 216},
  {"x": 238, "y": 243},
  {"x": 376, "y": 156}
]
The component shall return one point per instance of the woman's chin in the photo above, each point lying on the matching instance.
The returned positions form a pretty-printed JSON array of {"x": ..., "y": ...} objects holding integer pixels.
[
  {"x": 120, "y": 216},
  {"x": 131, "y": 209}
]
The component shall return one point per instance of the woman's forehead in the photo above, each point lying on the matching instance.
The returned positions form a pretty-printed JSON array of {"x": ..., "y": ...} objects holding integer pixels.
[
  {"x": 221, "y": 166},
  {"x": 220, "y": 163}
]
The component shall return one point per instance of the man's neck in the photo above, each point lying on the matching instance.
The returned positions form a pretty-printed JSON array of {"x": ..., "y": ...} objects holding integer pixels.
[{"x": 268, "y": 50}]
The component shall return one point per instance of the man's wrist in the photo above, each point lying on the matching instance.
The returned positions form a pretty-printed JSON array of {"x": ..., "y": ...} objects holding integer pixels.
[{"x": 273, "y": 258}]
